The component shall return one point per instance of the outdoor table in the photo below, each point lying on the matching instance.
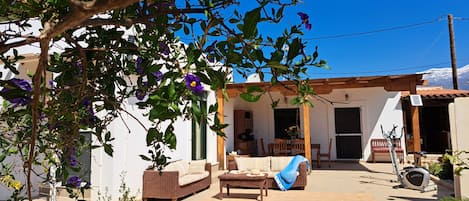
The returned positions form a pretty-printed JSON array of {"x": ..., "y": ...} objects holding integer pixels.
[{"x": 243, "y": 180}]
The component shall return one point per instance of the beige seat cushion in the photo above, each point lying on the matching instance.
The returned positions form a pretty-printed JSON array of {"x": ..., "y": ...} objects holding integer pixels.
[
  {"x": 279, "y": 162},
  {"x": 253, "y": 163},
  {"x": 190, "y": 178}
]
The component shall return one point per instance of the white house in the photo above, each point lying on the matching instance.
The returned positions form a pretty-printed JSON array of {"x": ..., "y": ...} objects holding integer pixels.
[{"x": 350, "y": 111}]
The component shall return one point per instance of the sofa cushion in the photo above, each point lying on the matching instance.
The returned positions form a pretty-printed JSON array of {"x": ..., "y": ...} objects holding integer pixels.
[
  {"x": 181, "y": 166},
  {"x": 190, "y": 178},
  {"x": 251, "y": 163},
  {"x": 197, "y": 166},
  {"x": 279, "y": 162}
]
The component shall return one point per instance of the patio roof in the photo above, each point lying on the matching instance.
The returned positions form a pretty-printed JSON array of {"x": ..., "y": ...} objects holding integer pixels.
[
  {"x": 438, "y": 93},
  {"x": 407, "y": 82}
]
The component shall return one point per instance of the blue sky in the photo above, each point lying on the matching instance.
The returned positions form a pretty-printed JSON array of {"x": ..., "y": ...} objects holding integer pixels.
[
  {"x": 395, "y": 51},
  {"x": 398, "y": 51}
]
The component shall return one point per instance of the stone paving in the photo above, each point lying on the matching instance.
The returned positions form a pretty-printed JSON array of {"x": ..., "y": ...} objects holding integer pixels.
[{"x": 343, "y": 181}]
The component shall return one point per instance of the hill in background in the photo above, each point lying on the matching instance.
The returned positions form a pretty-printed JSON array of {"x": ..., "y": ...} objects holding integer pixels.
[{"x": 443, "y": 77}]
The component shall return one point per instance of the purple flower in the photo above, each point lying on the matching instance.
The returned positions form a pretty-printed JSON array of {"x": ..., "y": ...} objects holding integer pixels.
[
  {"x": 22, "y": 84},
  {"x": 80, "y": 68},
  {"x": 86, "y": 102},
  {"x": 158, "y": 75},
  {"x": 140, "y": 94},
  {"x": 89, "y": 107},
  {"x": 193, "y": 83},
  {"x": 72, "y": 157},
  {"x": 303, "y": 16},
  {"x": 74, "y": 181},
  {"x": 211, "y": 47},
  {"x": 18, "y": 99},
  {"x": 138, "y": 65},
  {"x": 51, "y": 83},
  {"x": 305, "y": 20},
  {"x": 164, "y": 48}
]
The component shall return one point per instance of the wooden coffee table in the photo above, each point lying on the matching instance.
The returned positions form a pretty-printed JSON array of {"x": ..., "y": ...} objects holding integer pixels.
[{"x": 243, "y": 180}]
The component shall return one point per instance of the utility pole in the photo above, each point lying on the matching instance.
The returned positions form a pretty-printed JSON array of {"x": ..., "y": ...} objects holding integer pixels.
[{"x": 453, "y": 51}]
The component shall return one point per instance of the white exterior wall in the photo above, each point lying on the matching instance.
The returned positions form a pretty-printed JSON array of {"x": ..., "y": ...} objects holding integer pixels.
[
  {"x": 129, "y": 144},
  {"x": 378, "y": 107},
  {"x": 459, "y": 116}
]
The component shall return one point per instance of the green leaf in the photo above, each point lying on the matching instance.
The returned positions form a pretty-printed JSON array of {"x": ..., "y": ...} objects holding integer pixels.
[
  {"x": 108, "y": 149},
  {"x": 254, "y": 88},
  {"x": 2, "y": 157},
  {"x": 172, "y": 90},
  {"x": 145, "y": 158},
  {"x": 250, "y": 23},
  {"x": 278, "y": 65},
  {"x": 233, "y": 20},
  {"x": 250, "y": 97},
  {"x": 280, "y": 12},
  {"x": 107, "y": 137},
  {"x": 186, "y": 30},
  {"x": 296, "y": 101},
  {"x": 293, "y": 49},
  {"x": 151, "y": 136}
]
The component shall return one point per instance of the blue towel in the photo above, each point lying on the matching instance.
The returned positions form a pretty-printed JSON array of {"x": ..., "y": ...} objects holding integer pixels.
[{"x": 287, "y": 177}]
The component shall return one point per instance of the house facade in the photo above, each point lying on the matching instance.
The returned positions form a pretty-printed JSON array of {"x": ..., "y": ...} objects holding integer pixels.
[{"x": 350, "y": 111}]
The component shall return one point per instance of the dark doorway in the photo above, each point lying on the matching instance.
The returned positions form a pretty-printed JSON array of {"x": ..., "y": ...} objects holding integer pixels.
[
  {"x": 285, "y": 118},
  {"x": 435, "y": 129},
  {"x": 348, "y": 133}
]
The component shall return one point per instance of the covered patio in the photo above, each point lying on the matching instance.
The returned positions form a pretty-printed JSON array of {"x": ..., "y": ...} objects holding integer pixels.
[{"x": 373, "y": 97}]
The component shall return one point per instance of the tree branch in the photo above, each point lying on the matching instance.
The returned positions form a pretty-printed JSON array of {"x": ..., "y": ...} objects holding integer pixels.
[
  {"x": 44, "y": 43},
  {"x": 27, "y": 41},
  {"x": 80, "y": 13}
]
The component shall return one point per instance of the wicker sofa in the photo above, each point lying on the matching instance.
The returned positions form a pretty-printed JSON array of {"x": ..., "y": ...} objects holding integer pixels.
[
  {"x": 270, "y": 165},
  {"x": 178, "y": 179}
]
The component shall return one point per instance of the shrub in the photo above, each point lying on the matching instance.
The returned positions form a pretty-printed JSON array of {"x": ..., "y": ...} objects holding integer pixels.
[
  {"x": 453, "y": 199},
  {"x": 442, "y": 169}
]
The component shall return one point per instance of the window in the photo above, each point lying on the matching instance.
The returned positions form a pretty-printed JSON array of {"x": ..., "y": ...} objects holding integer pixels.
[
  {"x": 199, "y": 132},
  {"x": 285, "y": 118}
]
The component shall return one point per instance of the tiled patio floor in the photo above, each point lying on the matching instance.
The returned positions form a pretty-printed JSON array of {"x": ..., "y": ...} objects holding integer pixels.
[{"x": 344, "y": 181}]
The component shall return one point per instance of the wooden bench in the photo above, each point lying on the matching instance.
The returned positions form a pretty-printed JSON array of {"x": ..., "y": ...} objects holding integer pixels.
[{"x": 381, "y": 146}]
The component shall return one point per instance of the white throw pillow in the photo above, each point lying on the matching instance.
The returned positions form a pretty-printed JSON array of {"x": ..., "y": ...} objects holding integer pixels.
[
  {"x": 280, "y": 162},
  {"x": 197, "y": 166},
  {"x": 181, "y": 166},
  {"x": 253, "y": 163}
]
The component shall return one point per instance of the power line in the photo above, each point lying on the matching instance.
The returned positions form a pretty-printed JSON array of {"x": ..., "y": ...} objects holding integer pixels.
[
  {"x": 437, "y": 65},
  {"x": 377, "y": 30}
]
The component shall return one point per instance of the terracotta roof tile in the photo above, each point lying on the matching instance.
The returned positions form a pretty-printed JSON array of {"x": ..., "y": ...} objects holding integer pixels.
[{"x": 438, "y": 93}]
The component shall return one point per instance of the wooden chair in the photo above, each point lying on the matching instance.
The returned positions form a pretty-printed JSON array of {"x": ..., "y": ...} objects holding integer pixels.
[
  {"x": 279, "y": 149},
  {"x": 261, "y": 141},
  {"x": 298, "y": 148},
  {"x": 328, "y": 154},
  {"x": 280, "y": 140}
]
